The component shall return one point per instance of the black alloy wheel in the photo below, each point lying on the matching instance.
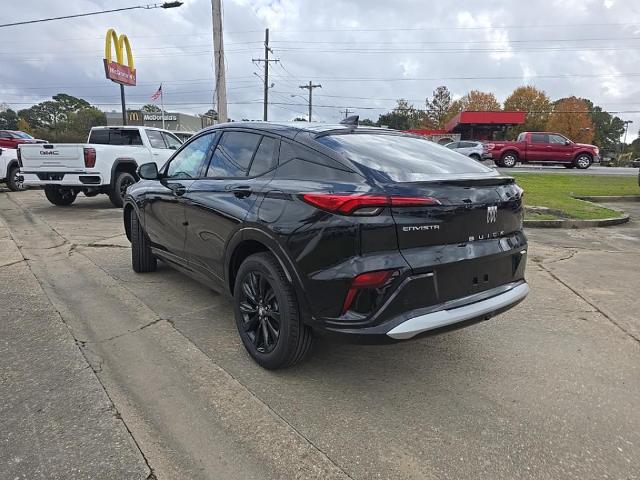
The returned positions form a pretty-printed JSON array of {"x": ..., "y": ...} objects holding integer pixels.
[
  {"x": 123, "y": 181},
  {"x": 260, "y": 311},
  {"x": 15, "y": 180},
  {"x": 268, "y": 315}
]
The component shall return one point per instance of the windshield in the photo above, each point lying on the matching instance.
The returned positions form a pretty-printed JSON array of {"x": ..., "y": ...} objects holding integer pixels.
[
  {"x": 403, "y": 158},
  {"x": 22, "y": 135}
]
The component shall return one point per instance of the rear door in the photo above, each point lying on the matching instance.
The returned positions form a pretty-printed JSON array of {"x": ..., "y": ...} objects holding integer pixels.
[
  {"x": 240, "y": 167},
  {"x": 538, "y": 147}
]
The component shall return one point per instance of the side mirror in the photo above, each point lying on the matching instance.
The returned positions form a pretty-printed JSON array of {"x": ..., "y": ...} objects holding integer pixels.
[
  {"x": 567, "y": 142},
  {"x": 148, "y": 171}
]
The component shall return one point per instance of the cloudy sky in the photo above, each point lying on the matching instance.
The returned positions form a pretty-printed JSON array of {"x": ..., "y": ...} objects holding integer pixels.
[{"x": 365, "y": 54}]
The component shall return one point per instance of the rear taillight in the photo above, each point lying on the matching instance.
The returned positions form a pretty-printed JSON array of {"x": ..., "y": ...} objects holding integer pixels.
[
  {"x": 362, "y": 204},
  {"x": 365, "y": 281},
  {"x": 19, "y": 157},
  {"x": 488, "y": 146},
  {"x": 89, "y": 157}
]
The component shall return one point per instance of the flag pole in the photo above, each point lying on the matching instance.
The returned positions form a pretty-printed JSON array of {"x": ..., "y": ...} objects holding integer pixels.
[{"x": 162, "y": 104}]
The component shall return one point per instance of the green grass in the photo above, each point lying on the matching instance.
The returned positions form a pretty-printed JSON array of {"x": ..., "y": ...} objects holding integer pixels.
[{"x": 556, "y": 191}]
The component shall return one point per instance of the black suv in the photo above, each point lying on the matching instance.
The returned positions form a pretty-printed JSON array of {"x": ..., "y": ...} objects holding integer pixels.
[{"x": 368, "y": 234}]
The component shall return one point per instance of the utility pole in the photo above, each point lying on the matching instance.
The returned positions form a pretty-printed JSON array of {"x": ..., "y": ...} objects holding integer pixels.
[
  {"x": 346, "y": 112},
  {"x": 218, "y": 56},
  {"x": 310, "y": 87},
  {"x": 626, "y": 129},
  {"x": 266, "y": 60}
]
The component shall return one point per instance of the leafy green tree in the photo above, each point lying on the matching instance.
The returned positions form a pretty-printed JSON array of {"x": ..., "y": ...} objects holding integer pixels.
[
  {"x": 404, "y": 117},
  {"x": 150, "y": 108},
  {"x": 53, "y": 114},
  {"x": 9, "y": 120},
  {"x": 366, "y": 122},
  {"x": 607, "y": 128},
  {"x": 299, "y": 119},
  {"x": 211, "y": 113},
  {"x": 438, "y": 107}
]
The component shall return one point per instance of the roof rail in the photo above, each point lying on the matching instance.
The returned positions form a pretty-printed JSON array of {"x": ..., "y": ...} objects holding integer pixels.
[{"x": 352, "y": 120}]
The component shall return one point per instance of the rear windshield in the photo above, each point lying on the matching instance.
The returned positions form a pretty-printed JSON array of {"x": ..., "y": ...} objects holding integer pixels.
[
  {"x": 402, "y": 158},
  {"x": 113, "y": 136},
  {"x": 22, "y": 135}
]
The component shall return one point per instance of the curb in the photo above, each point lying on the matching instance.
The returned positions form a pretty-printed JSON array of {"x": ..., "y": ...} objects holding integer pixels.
[
  {"x": 610, "y": 198},
  {"x": 604, "y": 222},
  {"x": 574, "y": 223}
]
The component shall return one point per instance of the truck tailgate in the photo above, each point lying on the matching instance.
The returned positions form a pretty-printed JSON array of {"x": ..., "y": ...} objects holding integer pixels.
[{"x": 48, "y": 157}]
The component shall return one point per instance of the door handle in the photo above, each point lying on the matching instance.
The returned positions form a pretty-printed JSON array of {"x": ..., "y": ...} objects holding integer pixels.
[{"x": 241, "y": 191}]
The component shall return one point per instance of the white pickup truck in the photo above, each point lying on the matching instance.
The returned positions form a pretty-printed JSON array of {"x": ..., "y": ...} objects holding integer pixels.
[
  {"x": 107, "y": 163},
  {"x": 9, "y": 169}
]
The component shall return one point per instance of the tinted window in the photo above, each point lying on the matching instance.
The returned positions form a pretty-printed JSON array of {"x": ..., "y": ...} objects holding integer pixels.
[
  {"x": 263, "y": 160},
  {"x": 521, "y": 137},
  {"x": 233, "y": 155},
  {"x": 557, "y": 139},
  {"x": 187, "y": 162},
  {"x": 399, "y": 158},
  {"x": 106, "y": 136},
  {"x": 171, "y": 141},
  {"x": 452, "y": 145},
  {"x": 5, "y": 135},
  {"x": 21, "y": 135},
  {"x": 539, "y": 138},
  {"x": 155, "y": 139}
]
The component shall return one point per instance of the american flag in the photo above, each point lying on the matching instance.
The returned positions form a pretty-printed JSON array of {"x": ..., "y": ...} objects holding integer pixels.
[{"x": 158, "y": 93}]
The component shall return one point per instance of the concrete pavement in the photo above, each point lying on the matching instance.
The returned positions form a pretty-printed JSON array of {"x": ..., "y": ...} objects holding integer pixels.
[{"x": 547, "y": 390}]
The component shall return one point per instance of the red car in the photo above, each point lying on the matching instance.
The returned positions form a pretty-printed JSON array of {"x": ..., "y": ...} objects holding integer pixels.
[
  {"x": 13, "y": 138},
  {"x": 542, "y": 147}
]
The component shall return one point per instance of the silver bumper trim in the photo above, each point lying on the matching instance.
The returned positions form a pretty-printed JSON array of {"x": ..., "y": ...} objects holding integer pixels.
[{"x": 442, "y": 318}]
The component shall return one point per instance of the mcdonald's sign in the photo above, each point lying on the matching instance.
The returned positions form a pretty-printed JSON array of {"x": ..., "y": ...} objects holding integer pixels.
[{"x": 117, "y": 71}]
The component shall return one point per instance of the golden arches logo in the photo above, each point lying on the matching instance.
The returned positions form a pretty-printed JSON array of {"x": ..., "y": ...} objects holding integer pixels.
[{"x": 116, "y": 70}]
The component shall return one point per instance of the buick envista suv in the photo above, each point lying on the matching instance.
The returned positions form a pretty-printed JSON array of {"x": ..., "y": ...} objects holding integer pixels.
[{"x": 371, "y": 235}]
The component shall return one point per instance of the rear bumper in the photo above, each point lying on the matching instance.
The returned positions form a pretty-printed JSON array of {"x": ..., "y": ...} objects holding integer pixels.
[
  {"x": 439, "y": 318},
  {"x": 482, "y": 309},
  {"x": 64, "y": 179}
]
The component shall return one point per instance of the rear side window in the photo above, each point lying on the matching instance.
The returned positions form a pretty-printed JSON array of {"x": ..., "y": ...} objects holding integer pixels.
[
  {"x": 539, "y": 138},
  {"x": 233, "y": 155},
  {"x": 106, "y": 136},
  {"x": 171, "y": 141},
  {"x": 155, "y": 139},
  {"x": 188, "y": 161},
  {"x": 264, "y": 158},
  {"x": 401, "y": 158}
]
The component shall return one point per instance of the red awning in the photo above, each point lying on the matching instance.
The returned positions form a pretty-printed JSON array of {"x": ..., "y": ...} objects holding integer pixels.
[{"x": 486, "y": 118}]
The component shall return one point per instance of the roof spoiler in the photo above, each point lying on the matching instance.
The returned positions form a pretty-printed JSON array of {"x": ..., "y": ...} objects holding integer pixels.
[{"x": 352, "y": 120}]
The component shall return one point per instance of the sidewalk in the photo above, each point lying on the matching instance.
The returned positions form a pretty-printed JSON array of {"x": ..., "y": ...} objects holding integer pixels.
[{"x": 57, "y": 421}]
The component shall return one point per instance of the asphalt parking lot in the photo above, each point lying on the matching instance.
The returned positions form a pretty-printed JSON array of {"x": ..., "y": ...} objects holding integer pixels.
[
  {"x": 593, "y": 170},
  {"x": 548, "y": 390}
]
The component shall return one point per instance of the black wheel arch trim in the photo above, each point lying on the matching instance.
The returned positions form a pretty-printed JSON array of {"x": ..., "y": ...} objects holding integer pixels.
[
  {"x": 130, "y": 205},
  {"x": 12, "y": 163},
  {"x": 121, "y": 161},
  {"x": 271, "y": 243}
]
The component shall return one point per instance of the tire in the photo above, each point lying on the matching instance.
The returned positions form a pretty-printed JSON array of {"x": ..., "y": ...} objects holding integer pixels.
[
  {"x": 476, "y": 157},
  {"x": 508, "y": 160},
  {"x": 568, "y": 165},
  {"x": 142, "y": 260},
  {"x": 60, "y": 196},
  {"x": 583, "y": 161},
  {"x": 123, "y": 181},
  {"x": 267, "y": 314},
  {"x": 14, "y": 179}
]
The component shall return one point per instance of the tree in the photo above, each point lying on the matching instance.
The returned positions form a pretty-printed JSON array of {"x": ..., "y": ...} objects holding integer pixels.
[
  {"x": 211, "y": 113},
  {"x": 365, "y": 122},
  {"x": 404, "y": 117},
  {"x": 533, "y": 101},
  {"x": 607, "y": 128},
  {"x": 299, "y": 119},
  {"x": 85, "y": 119},
  {"x": 477, "y": 101},
  {"x": 571, "y": 118},
  {"x": 150, "y": 108},
  {"x": 8, "y": 120},
  {"x": 52, "y": 113},
  {"x": 438, "y": 107}
]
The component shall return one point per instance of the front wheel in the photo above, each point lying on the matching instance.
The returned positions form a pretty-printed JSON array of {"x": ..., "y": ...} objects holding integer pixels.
[
  {"x": 583, "y": 161},
  {"x": 15, "y": 180},
  {"x": 142, "y": 260},
  {"x": 476, "y": 157},
  {"x": 267, "y": 314},
  {"x": 509, "y": 160},
  {"x": 123, "y": 181},
  {"x": 60, "y": 196}
]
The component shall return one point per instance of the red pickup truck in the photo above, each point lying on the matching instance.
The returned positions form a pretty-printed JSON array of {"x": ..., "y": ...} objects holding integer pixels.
[{"x": 542, "y": 147}]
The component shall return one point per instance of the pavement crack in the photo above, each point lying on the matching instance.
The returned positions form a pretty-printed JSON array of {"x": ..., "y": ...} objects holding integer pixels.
[
  {"x": 103, "y": 245},
  {"x": 592, "y": 304},
  {"x": 129, "y": 332},
  {"x": 13, "y": 263}
]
